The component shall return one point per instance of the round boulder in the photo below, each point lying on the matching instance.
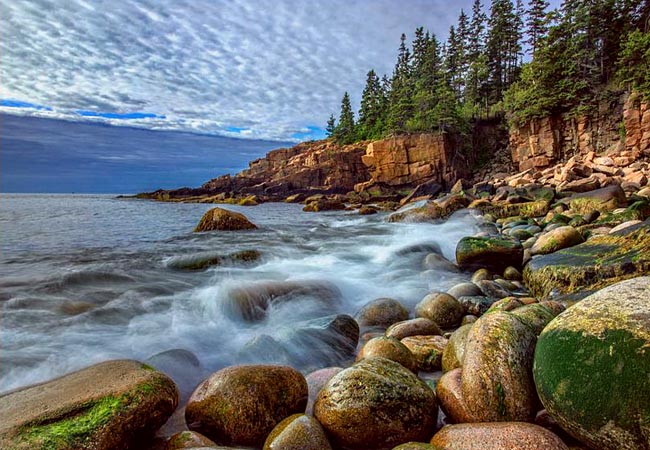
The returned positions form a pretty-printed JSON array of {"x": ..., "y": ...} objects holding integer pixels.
[
  {"x": 381, "y": 312},
  {"x": 240, "y": 405},
  {"x": 224, "y": 220},
  {"x": 377, "y": 404},
  {"x": 592, "y": 364},
  {"x": 450, "y": 397},
  {"x": 414, "y": 327},
  {"x": 497, "y": 436},
  {"x": 494, "y": 254},
  {"x": 497, "y": 381},
  {"x": 297, "y": 432},
  {"x": 427, "y": 351},
  {"x": 315, "y": 382},
  {"x": 188, "y": 439},
  {"x": 556, "y": 239},
  {"x": 389, "y": 348},
  {"x": 454, "y": 352},
  {"x": 442, "y": 308}
]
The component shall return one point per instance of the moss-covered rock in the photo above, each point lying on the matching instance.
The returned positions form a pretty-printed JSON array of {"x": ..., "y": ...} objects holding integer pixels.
[
  {"x": 592, "y": 364},
  {"x": 240, "y": 405},
  {"x": 441, "y": 308},
  {"x": 381, "y": 312},
  {"x": 389, "y": 348},
  {"x": 431, "y": 210},
  {"x": 427, "y": 351},
  {"x": 537, "y": 315},
  {"x": 416, "y": 446},
  {"x": 377, "y": 404},
  {"x": 557, "y": 239},
  {"x": 324, "y": 205},
  {"x": 494, "y": 254},
  {"x": 114, "y": 404},
  {"x": 413, "y": 327},
  {"x": 605, "y": 199},
  {"x": 596, "y": 263},
  {"x": 450, "y": 397},
  {"x": 297, "y": 432},
  {"x": 502, "y": 210},
  {"x": 497, "y": 381},
  {"x": 497, "y": 436},
  {"x": 454, "y": 352},
  {"x": 224, "y": 220}
]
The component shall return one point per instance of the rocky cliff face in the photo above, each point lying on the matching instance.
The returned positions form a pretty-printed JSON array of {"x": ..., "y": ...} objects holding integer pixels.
[
  {"x": 620, "y": 129},
  {"x": 406, "y": 161}
]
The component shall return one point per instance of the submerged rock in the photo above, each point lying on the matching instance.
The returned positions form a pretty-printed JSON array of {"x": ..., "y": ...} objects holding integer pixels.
[
  {"x": 224, "y": 220},
  {"x": 114, "y": 404},
  {"x": 497, "y": 436},
  {"x": 377, "y": 404},
  {"x": 240, "y": 405},
  {"x": 203, "y": 260},
  {"x": 592, "y": 364}
]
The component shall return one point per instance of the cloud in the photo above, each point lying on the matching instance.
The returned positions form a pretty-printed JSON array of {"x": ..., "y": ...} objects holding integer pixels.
[{"x": 260, "y": 69}]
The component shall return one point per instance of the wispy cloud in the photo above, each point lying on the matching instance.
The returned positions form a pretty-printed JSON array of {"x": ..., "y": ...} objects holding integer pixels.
[{"x": 271, "y": 69}]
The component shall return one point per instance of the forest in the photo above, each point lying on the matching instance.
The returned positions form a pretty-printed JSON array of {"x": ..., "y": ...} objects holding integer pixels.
[{"x": 514, "y": 62}]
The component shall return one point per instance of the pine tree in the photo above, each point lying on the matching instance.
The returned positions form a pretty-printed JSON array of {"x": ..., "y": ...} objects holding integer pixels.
[
  {"x": 331, "y": 126},
  {"x": 537, "y": 23},
  {"x": 345, "y": 131}
]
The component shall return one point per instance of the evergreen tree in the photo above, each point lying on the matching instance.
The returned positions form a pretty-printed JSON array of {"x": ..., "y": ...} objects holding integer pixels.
[
  {"x": 425, "y": 88},
  {"x": 462, "y": 39},
  {"x": 331, "y": 126},
  {"x": 537, "y": 23},
  {"x": 400, "y": 108},
  {"x": 478, "y": 65},
  {"x": 345, "y": 131},
  {"x": 369, "y": 125},
  {"x": 503, "y": 48}
]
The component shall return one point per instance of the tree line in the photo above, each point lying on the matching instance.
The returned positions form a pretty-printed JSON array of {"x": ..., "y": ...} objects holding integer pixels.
[{"x": 578, "y": 53}]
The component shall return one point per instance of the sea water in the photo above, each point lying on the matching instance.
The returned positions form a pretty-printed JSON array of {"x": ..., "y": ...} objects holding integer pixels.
[{"x": 87, "y": 278}]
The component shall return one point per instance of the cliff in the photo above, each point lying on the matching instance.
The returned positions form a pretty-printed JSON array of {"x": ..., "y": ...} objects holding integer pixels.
[{"x": 619, "y": 129}]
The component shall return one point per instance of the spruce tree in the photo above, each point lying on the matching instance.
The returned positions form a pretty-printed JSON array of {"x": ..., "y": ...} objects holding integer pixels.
[
  {"x": 345, "y": 131},
  {"x": 369, "y": 123},
  {"x": 536, "y": 23},
  {"x": 331, "y": 126},
  {"x": 477, "y": 70},
  {"x": 400, "y": 107}
]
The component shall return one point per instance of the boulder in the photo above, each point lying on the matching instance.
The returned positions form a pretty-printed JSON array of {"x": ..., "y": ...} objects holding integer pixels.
[
  {"x": 188, "y": 439},
  {"x": 377, "y": 404},
  {"x": 450, "y": 397},
  {"x": 497, "y": 436},
  {"x": 381, "y": 312},
  {"x": 557, "y": 239},
  {"x": 592, "y": 364},
  {"x": 464, "y": 290},
  {"x": 224, "y": 220},
  {"x": 251, "y": 302},
  {"x": 315, "y": 382},
  {"x": 389, "y": 348},
  {"x": 500, "y": 210},
  {"x": 537, "y": 315},
  {"x": 324, "y": 205},
  {"x": 203, "y": 260},
  {"x": 367, "y": 211},
  {"x": 596, "y": 263},
  {"x": 240, "y": 405},
  {"x": 427, "y": 351},
  {"x": 497, "y": 381},
  {"x": 454, "y": 352},
  {"x": 434, "y": 261},
  {"x": 114, "y": 404},
  {"x": 441, "y": 308},
  {"x": 494, "y": 254},
  {"x": 297, "y": 432},
  {"x": 416, "y": 446},
  {"x": 605, "y": 199},
  {"x": 413, "y": 327}
]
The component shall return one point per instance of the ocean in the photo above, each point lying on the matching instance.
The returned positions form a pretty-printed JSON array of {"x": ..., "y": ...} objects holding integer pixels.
[{"x": 87, "y": 278}]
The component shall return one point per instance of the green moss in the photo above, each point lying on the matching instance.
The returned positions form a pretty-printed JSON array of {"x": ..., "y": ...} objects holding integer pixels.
[
  {"x": 74, "y": 431},
  {"x": 501, "y": 396},
  {"x": 593, "y": 380}
]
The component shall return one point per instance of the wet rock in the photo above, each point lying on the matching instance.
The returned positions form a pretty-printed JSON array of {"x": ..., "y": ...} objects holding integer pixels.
[
  {"x": 381, "y": 312},
  {"x": 413, "y": 327},
  {"x": 476, "y": 305},
  {"x": 559, "y": 238},
  {"x": 367, "y": 211},
  {"x": 492, "y": 289},
  {"x": 624, "y": 225},
  {"x": 598, "y": 262},
  {"x": 494, "y": 254},
  {"x": 512, "y": 274},
  {"x": 297, "y": 432},
  {"x": 441, "y": 308},
  {"x": 240, "y": 405},
  {"x": 505, "y": 304},
  {"x": 251, "y": 302},
  {"x": 315, "y": 382},
  {"x": 223, "y": 220},
  {"x": 497, "y": 436},
  {"x": 465, "y": 290},
  {"x": 376, "y": 404},
  {"x": 416, "y": 446},
  {"x": 450, "y": 397},
  {"x": 591, "y": 367},
  {"x": 180, "y": 365},
  {"x": 324, "y": 204},
  {"x": 468, "y": 319},
  {"x": 114, "y": 404},
  {"x": 605, "y": 199},
  {"x": 503, "y": 209},
  {"x": 187, "y": 440},
  {"x": 264, "y": 349},
  {"x": 434, "y": 261},
  {"x": 537, "y": 315},
  {"x": 497, "y": 380},
  {"x": 427, "y": 351},
  {"x": 454, "y": 352},
  {"x": 389, "y": 348},
  {"x": 203, "y": 260}
]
